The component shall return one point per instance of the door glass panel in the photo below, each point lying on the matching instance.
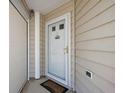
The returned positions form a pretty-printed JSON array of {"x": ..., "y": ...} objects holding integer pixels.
[
  {"x": 54, "y": 28},
  {"x": 61, "y": 26}
]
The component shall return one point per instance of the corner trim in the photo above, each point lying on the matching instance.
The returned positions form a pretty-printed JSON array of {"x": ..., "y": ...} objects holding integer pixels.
[{"x": 18, "y": 11}]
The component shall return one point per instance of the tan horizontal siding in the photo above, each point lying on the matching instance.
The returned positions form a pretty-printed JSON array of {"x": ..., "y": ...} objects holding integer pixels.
[
  {"x": 97, "y": 57},
  {"x": 98, "y": 33},
  {"x": 81, "y": 5},
  {"x": 81, "y": 87},
  {"x": 103, "y": 44},
  {"x": 104, "y": 71},
  {"x": 32, "y": 47},
  {"x": 86, "y": 9},
  {"x": 94, "y": 8},
  {"x": 77, "y": 2},
  {"x": 59, "y": 11},
  {"x": 95, "y": 45},
  {"x": 42, "y": 45},
  {"x": 104, "y": 17},
  {"x": 85, "y": 82},
  {"x": 98, "y": 84}
]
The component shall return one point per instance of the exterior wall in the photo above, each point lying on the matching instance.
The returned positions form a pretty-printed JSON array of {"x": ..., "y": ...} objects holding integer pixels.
[
  {"x": 32, "y": 47},
  {"x": 95, "y": 43},
  {"x": 42, "y": 45},
  {"x": 17, "y": 51},
  {"x": 67, "y": 7},
  {"x": 94, "y": 39}
]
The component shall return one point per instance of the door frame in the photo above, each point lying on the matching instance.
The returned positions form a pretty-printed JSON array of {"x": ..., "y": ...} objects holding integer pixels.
[{"x": 67, "y": 18}]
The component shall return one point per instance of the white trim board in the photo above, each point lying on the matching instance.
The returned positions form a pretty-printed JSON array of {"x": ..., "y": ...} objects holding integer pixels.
[
  {"x": 28, "y": 52},
  {"x": 67, "y": 18},
  {"x": 37, "y": 45}
]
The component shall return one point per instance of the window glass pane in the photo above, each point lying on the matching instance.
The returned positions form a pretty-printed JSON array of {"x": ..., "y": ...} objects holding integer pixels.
[
  {"x": 53, "y": 28},
  {"x": 61, "y": 26}
]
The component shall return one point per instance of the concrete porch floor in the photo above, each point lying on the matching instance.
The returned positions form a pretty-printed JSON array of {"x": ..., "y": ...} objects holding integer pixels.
[{"x": 33, "y": 86}]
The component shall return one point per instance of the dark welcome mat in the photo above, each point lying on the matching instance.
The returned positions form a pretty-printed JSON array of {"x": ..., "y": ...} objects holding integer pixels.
[{"x": 53, "y": 87}]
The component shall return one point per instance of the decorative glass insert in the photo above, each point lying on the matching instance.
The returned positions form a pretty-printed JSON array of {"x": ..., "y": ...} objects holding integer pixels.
[
  {"x": 54, "y": 28},
  {"x": 61, "y": 26},
  {"x": 57, "y": 37}
]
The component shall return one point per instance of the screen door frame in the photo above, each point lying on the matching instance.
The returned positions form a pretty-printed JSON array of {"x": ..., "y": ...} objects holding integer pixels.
[{"x": 67, "y": 18}]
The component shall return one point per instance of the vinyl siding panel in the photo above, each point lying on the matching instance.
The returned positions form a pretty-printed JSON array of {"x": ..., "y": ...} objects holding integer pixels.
[
  {"x": 104, "y": 71},
  {"x": 102, "y": 44},
  {"x": 106, "y": 30},
  {"x": 95, "y": 41},
  {"x": 81, "y": 5},
  {"x": 96, "y": 85},
  {"x": 67, "y": 7},
  {"x": 103, "y": 18},
  {"x": 32, "y": 47},
  {"x": 97, "y": 57},
  {"x": 42, "y": 45}
]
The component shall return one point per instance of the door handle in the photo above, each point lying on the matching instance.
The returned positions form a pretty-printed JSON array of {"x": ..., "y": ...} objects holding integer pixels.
[{"x": 66, "y": 50}]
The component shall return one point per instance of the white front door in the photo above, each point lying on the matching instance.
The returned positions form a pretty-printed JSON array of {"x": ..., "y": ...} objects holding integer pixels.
[{"x": 57, "y": 51}]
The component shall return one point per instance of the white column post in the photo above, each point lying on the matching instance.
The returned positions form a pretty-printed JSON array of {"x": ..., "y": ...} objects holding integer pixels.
[{"x": 37, "y": 45}]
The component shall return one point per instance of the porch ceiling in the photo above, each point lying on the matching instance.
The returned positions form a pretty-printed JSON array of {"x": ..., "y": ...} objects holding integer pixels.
[{"x": 44, "y": 6}]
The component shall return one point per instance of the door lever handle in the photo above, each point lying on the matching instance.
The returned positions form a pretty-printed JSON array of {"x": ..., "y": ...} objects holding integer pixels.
[{"x": 66, "y": 50}]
